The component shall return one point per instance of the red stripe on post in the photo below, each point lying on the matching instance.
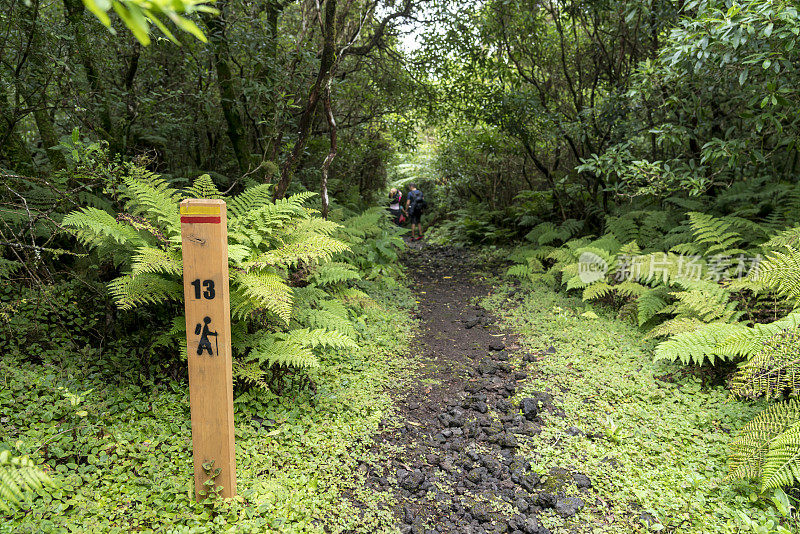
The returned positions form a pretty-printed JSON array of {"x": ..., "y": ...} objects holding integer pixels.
[{"x": 199, "y": 219}]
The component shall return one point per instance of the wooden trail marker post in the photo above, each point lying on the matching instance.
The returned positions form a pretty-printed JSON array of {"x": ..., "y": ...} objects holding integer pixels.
[{"x": 204, "y": 237}]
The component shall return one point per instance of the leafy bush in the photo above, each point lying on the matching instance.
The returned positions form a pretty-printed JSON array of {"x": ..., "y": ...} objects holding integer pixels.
[
  {"x": 707, "y": 299},
  {"x": 272, "y": 246}
]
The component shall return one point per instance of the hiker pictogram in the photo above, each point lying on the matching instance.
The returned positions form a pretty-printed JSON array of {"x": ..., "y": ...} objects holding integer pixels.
[{"x": 205, "y": 343}]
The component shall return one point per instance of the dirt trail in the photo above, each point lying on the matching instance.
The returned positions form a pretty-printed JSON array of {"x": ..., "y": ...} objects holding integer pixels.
[{"x": 459, "y": 471}]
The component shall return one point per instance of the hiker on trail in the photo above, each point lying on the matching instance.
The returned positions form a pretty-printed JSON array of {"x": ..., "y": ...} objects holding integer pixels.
[
  {"x": 395, "y": 206},
  {"x": 414, "y": 207}
]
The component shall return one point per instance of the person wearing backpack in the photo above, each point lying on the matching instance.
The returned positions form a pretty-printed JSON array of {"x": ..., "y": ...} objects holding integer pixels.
[
  {"x": 396, "y": 206},
  {"x": 415, "y": 205}
]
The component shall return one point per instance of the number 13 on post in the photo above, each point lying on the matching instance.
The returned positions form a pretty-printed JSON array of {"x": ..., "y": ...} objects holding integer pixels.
[{"x": 204, "y": 236}]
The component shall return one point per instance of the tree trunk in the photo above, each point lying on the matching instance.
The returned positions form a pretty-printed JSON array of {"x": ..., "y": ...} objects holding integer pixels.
[
  {"x": 32, "y": 83},
  {"x": 314, "y": 95},
  {"x": 227, "y": 89},
  {"x": 50, "y": 139},
  {"x": 12, "y": 146},
  {"x": 332, "y": 153},
  {"x": 83, "y": 47}
]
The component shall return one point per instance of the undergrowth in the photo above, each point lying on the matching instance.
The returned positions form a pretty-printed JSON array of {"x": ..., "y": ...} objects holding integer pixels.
[
  {"x": 652, "y": 436},
  {"x": 118, "y": 445}
]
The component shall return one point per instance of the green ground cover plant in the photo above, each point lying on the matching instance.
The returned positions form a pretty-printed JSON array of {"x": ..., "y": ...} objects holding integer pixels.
[
  {"x": 713, "y": 291},
  {"x": 654, "y": 437},
  {"x": 118, "y": 448}
]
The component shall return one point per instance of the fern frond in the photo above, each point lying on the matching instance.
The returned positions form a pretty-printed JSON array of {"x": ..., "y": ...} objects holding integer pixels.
[
  {"x": 519, "y": 271},
  {"x": 317, "y": 338},
  {"x": 250, "y": 372},
  {"x": 351, "y": 295},
  {"x": 749, "y": 341},
  {"x": 203, "y": 187},
  {"x": 706, "y": 300},
  {"x": 305, "y": 297},
  {"x": 574, "y": 281},
  {"x": 365, "y": 224},
  {"x": 327, "y": 320},
  {"x": 156, "y": 260},
  {"x": 237, "y": 254},
  {"x": 774, "y": 371},
  {"x": 521, "y": 254},
  {"x": 716, "y": 234},
  {"x": 751, "y": 445},
  {"x": 629, "y": 249},
  {"x": 697, "y": 346},
  {"x": 95, "y": 227},
  {"x": 130, "y": 291},
  {"x": 540, "y": 230},
  {"x": 561, "y": 255},
  {"x": 154, "y": 198},
  {"x": 317, "y": 225},
  {"x": 579, "y": 242},
  {"x": 548, "y": 279},
  {"x": 782, "y": 462},
  {"x": 672, "y": 327},
  {"x": 311, "y": 248},
  {"x": 781, "y": 272},
  {"x": 650, "y": 304},
  {"x": 262, "y": 289},
  {"x": 276, "y": 352},
  {"x": 335, "y": 273},
  {"x": 596, "y": 291},
  {"x": 251, "y": 199},
  {"x": 19, "y": 476},
  {"x": 258, "y": 223},
  {"x": 629, "y": 288},
  {"x": 789, "y": 237},
  {"x": 542, "y": 253},
  {"x": 657, "y": 267}
]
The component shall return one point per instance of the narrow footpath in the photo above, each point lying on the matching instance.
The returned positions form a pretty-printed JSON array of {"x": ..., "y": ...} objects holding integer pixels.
[{"x": 458, "y": 469}]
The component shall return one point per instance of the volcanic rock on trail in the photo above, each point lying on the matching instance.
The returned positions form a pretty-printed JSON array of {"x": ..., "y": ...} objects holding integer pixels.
[{"x": 458, "y": 469}]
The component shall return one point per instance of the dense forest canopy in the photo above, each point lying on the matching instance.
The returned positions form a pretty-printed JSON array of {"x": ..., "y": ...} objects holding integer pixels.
[
  {"x": 246, "y": 100},
  {"x": 633, "y": 164}
]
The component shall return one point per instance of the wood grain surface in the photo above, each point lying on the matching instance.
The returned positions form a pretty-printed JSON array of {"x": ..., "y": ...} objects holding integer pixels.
[{"x": 204, "y": 234}]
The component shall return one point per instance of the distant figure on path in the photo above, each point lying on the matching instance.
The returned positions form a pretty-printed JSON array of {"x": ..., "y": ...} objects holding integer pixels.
[
  {"x": 414, "y": 206},
  {"x": 395, "y": 206}
]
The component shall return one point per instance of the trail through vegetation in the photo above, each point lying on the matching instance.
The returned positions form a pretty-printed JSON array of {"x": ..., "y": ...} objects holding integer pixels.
[
  {"x": 457, "y": 469},
  {"x": 623, "y": 175},
  {"x": 525, "y": 415}
]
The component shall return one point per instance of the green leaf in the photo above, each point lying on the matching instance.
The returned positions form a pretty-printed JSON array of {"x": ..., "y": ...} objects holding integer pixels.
[
  {"x": 139, "y": 30},
  {"x": 189, "y": 27},
  {"x": 161, "y": 26},
  {"x": 99, "y": 8}
]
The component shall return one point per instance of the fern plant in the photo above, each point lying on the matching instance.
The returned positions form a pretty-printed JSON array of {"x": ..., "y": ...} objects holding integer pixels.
[
  {"x": 780, "y": 272},
  {"x": 774, "y": 371},
  {"x": 721, "y": 340},
  {"x": 271, "y": 246},
  {"x": 374, "y": 243},
  {"x": 19, "y": 476},
  {"x": 767, "y": 449}
]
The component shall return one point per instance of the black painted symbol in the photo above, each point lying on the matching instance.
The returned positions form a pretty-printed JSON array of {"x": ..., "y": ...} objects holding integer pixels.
[
  {"x": 204, "y": 331},
  {"x": 208, "y": 294}
]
